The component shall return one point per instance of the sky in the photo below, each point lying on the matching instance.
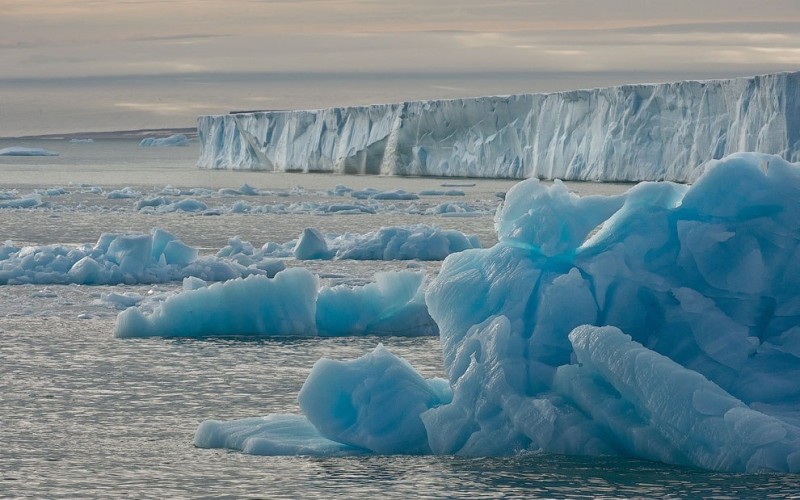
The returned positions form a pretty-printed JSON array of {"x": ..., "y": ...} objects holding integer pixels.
[{"x": 80, "y": 65}]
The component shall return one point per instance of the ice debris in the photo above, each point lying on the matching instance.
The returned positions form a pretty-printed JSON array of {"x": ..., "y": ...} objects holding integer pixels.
[{"x": 121, "y": 258}]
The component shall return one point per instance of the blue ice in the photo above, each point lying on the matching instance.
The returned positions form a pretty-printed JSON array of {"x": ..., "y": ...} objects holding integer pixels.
[
  {"x": 121, "y": 258},
  {"x": 290, "y": 304},
  {"x": 662, "y": 324},
  {"x": 418, "y": 241},
  {"x": 23, "y": 151}
]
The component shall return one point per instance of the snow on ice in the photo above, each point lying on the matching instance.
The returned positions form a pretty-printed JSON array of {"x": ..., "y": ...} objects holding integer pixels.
[
  {"x": 626, "y": 133},
  {"x": 663, "y": 323}
]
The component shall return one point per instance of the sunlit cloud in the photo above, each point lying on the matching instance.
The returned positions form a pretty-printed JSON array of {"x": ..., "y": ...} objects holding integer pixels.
[{"x": 163, "y": 108}]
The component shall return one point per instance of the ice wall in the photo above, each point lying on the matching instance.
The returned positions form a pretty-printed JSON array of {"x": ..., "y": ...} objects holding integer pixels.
[{"x": 626, "y": 133}]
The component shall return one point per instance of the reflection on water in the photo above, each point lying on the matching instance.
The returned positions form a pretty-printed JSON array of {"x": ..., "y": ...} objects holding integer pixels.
[{"x": 84, "y": 413}]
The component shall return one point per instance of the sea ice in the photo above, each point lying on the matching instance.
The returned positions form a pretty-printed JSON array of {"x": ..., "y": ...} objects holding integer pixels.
[
  {"x": 121, "y": 258},
  {"x": 22, "y": 151},
  {"x": 663, "y": 324},
  {"x": 33, "y": 200},
  {"x": 290, "y": 304},
  {"x": 419, "y": 241}
]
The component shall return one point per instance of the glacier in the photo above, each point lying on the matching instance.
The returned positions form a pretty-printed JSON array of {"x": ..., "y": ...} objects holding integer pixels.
[
  {"x": 663, "y": 323},
  {"x": 640, "y": 132}
]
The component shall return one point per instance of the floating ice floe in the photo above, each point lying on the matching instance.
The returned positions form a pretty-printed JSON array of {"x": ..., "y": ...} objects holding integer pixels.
[
  {"x": 204, "y": 201},
  {"x": 33, "y": 200},
  {"x": 124, "y": 193},
  {"x": 420, "y": 242},
  {"x": 22, "y": 151},
  {"x": 121, "y": 258},
  {"x": 161, "y": 257},
  {"x": 165, "y": 205},
  {"x": 171, "y": 141},
  {"x": 438, "y": 192},
  {"x": 288, "y": 305},
  {"x": 662, "y": 324}
]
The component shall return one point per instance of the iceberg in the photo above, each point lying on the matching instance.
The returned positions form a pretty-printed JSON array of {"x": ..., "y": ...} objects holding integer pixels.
[
  {"x": 289, "y": 305},
  {"x": 663, "y": 323},
  {"x": 23, "y": 151},
  {"x": 157, "y": 257},
  {"x": 627, "y": 133},
  {"x": 164, "y": 142},
  {"x": 418, "y": 241}
]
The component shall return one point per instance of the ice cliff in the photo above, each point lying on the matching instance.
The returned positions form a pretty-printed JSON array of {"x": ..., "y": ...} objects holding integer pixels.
[
  {"x": 663, "y": 323},
  {"x": 626, "y": 133}
]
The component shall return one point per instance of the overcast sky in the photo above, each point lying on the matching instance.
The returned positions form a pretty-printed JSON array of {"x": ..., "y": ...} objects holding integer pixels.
[{"x": 53, "y": 44}]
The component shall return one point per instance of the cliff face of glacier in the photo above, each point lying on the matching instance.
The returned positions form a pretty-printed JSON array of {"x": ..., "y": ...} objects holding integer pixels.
[{"x": 626, "y": 133}]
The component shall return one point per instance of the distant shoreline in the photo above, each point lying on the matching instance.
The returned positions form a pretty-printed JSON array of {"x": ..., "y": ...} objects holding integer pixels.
[{"x": 107, "y": 135}]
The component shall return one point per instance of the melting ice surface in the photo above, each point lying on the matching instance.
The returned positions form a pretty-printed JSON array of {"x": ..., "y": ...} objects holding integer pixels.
[{"x": 672, "y": 333}]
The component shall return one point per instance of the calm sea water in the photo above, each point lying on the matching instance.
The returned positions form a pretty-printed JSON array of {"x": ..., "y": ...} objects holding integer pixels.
[{"x": 85, "y": 415}]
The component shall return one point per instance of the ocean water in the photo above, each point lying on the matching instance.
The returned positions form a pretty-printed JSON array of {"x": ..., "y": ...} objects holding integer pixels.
[{"x": 85, "y": 415}]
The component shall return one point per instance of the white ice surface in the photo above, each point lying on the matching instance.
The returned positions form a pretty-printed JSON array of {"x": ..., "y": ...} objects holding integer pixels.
[
  {"x": 171, "y": 141},
  {"x": 626, "y": 133}
]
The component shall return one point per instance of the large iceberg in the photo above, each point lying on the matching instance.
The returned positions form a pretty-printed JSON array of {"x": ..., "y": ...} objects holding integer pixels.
[
  {"x": 626, "y": 133},
  {"x": 663, "y": 323}
]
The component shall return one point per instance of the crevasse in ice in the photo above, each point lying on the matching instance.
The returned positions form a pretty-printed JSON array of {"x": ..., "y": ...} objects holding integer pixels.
[{"x": 663, "y": 324}]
